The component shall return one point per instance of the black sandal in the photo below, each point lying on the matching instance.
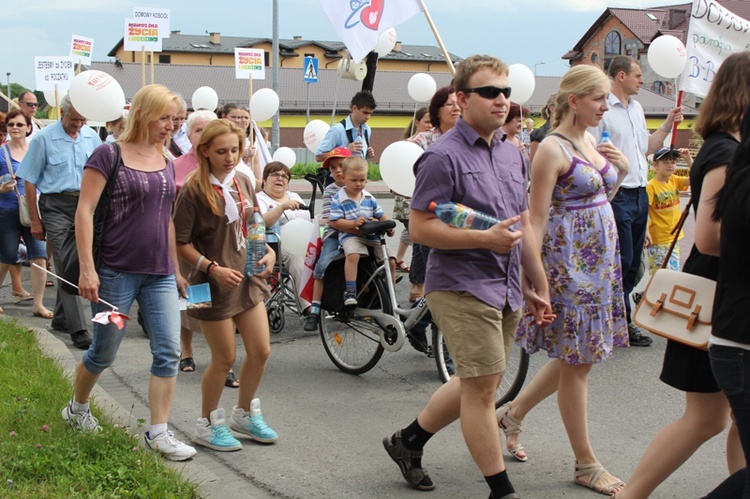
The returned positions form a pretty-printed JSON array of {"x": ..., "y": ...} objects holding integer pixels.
[
  {"x": 187, "y": 365},
  {"x": 232, "y": 381}
]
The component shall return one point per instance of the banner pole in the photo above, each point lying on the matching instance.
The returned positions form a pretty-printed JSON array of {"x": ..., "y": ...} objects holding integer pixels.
[
  {"x": 438, "y": 39},
  {"x": 143, "y": 65},
  {"x": 675, "y": 125},
  {"x": 252, "y": 128},
  {"x": 151, "y": 55}
]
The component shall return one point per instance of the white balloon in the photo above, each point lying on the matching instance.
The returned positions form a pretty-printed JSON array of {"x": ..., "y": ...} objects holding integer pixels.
[
  {"x": 96, "y": 95},
  {"x": 667, "y": 56},
  {"x": 286, "y": 155},
  {"x": 205, "y": 98},
  {"x": 295, "y": 235},
  {"x": 314, "y": 133},
  {"x": 522, "y": 83},
  {"x": 49, "y": 96},
  {"x": 264, "y": 104},
  {"x": 386, "y": 42},
  {"x": 397, "y": 166},
  {"x": 421, "y": 87}
]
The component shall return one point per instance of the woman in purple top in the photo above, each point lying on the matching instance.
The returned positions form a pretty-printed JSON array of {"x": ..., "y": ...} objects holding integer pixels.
[
  {"x": 571, "y": 183},
  {"x": 137, "y": 262}
]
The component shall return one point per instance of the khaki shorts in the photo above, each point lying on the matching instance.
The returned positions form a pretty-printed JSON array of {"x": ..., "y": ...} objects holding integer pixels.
[
  {"x": 359, "y": 245},
  {"x": 479, "y": 337}
]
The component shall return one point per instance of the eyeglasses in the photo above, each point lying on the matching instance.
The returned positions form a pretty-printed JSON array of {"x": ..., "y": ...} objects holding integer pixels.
[
  {"x": 489, "y": 92},
  {"x": 19, "y": 125},
  {"x": 451, "y": 104},
  {"x": 279, "y": 175},
  {"x": 31, "y": 104}
]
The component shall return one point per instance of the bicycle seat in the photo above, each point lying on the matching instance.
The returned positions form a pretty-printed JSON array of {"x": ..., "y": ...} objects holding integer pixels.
[{"x": 370, "y": 228}]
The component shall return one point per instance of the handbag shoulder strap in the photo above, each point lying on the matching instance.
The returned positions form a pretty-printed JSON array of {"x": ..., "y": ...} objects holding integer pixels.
[
  {"x": 110, "y": 185},
  {"x": 577, "y": 149},
  {"x": 676, "y": 231},
  {"x": 10, "y": 168}
]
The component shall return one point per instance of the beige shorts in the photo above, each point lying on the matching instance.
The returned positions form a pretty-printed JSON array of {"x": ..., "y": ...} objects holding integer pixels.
[
  {"x": 359, "y": 245},
  {"x": 479, "y": 337}
]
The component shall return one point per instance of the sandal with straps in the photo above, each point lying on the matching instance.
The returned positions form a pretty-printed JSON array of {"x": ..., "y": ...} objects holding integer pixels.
[
  {"x": 591, "y": 473},
  {"x": 511, "y": 426}
]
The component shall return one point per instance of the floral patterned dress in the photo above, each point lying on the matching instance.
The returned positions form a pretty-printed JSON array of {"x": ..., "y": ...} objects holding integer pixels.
[{"x": 581, "y": 256}]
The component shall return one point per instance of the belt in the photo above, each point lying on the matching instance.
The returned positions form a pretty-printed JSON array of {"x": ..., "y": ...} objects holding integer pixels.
[
  {"x": 65, "y": 193},
  {"x": 633, "y": 188}
]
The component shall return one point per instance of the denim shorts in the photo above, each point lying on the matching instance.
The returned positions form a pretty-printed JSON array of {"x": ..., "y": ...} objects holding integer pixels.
[
  {"x": 328, "y": 253},
  {"x": 158, "y": 302},
  {"x": 11, "y": 231}
]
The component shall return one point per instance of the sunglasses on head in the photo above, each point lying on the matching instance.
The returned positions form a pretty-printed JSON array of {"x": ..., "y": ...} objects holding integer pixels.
[{"x": 489, "y": 92}]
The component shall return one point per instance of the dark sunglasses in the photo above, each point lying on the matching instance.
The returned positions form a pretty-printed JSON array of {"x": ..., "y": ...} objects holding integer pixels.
[
  {"x": 489, "y": 92},
  {"x": 19, "y": 125},
  {"x": 31, "y": 104}
]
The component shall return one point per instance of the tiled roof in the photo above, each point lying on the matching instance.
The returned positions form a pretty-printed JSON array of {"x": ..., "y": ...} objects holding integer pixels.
[
  {"x": 202, "y": 44},
  {"x": 389, "y": 90}
]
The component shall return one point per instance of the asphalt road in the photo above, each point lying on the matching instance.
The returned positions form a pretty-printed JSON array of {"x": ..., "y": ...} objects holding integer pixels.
[{"x": 331, "y": 424}]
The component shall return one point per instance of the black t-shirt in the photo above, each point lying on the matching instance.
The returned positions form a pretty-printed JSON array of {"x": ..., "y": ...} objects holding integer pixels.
[
  {"x": 717, "y": 150},
  {"x": 730, "y": 318}
]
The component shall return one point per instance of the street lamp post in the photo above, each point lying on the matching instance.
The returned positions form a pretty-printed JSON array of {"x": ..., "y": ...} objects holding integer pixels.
[{"x": 535, "y": 66}]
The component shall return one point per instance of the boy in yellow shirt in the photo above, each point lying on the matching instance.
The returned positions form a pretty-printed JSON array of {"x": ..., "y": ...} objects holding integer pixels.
[{"x": 664, "y": 206}]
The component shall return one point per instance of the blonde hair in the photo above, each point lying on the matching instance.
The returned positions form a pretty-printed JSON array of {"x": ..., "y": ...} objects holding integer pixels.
[
  {"x": 354, "y": 163},
  {"x": 579, "y": 81},
  {"x": 149, "y": 105},
  {"x": 474, "y": 63},
  {"x": 199, "y": 181}
]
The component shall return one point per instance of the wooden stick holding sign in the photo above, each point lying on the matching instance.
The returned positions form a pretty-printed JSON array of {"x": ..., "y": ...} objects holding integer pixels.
[
  {"x": 675, "y": 125},
  {"x": 143, "y": 65},
  {"x": 439, "y": 40},
  {"x": 250, "y": 96},
  {"x": 151, "y": 58}
]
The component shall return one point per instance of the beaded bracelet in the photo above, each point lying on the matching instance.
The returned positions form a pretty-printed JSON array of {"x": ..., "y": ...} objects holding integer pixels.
[{"x": 211, "y": 268}]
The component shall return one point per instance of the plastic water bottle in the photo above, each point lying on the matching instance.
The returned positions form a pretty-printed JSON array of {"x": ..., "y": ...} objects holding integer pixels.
[
  {"x": 462, "y": 217},
  {"x": 605, "y": 137},
  {"x": 256, "y": 243}
]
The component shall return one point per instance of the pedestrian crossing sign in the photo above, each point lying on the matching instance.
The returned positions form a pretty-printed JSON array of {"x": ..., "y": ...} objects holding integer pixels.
[{"x": 310, "y": 66}]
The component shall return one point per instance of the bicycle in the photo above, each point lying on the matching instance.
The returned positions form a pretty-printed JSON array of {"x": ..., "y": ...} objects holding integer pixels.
[{"x": 356, "y": 339}]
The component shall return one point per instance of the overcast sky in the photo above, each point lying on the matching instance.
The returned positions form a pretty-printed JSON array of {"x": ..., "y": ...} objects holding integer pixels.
[{"x": 517, "y": 31}]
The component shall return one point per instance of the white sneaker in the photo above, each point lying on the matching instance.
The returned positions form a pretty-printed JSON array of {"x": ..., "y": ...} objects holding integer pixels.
[
  {"x": 81, "y": 421},
  {"x": 214, "y": 434},
  {"x": 171, "y": 448},
  {"x": 252, "y": 424}
]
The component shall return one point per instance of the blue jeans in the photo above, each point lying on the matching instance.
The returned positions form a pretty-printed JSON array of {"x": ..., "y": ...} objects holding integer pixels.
[
  {"x": 630, "y": 207},
  {"x": 11, "y": 231},
  {"x": 158, "y": 301},
  {"x": 731, "y": 368},
  {"x": 328, "y": 253}
]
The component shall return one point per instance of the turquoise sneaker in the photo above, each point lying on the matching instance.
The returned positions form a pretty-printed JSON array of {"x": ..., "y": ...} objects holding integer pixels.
[
  {"x": 253, "y": 426},
  {"x": 214, "y": 433}
]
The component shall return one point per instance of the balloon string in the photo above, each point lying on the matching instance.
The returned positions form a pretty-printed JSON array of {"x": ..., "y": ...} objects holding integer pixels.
[{"x": 69, "y": 283}]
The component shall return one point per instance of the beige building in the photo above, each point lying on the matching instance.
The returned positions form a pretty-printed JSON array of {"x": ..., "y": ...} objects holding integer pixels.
[{"x": 213, "y": 49}]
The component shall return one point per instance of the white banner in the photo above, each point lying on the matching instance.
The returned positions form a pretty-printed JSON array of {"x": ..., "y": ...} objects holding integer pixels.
[
  {"x": 53, "y": 70},
  {"x": 249, "y": 63},
  {"x": 81, "y": 49},
  {"x": 359, "y": 23},
  {"x": 714, "y": 34},
  {"x": 154, "y": 15},
  {"x": 140, "y": 35}
]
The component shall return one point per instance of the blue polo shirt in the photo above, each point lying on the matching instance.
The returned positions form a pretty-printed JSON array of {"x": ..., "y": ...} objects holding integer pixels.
[
  {"x": 462, "y": 167},
  {"x": 342, "y": 206},
  {"x": 337, "y": 137},
  {"x": 54, "y": 161}
]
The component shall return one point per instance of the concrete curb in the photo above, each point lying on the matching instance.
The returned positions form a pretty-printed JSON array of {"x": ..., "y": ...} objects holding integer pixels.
[{"x": 214, "y": 477}]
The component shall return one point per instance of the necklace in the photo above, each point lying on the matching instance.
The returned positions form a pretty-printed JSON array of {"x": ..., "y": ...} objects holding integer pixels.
[{"x": 139, "y": 153}]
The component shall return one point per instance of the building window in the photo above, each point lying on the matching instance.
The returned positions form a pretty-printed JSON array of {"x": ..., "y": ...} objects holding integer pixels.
[
  {"x": 165, "y": 59},
  {"x": 612, "y": 47}
]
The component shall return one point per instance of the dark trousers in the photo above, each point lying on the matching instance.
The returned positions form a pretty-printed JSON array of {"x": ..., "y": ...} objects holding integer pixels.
[
  {"x": 58, "y": 214},
  {"x": 630, "y": 207}
]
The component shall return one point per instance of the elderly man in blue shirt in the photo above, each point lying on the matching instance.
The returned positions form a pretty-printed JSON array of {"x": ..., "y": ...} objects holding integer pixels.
[{"x": 53, "y": 165}]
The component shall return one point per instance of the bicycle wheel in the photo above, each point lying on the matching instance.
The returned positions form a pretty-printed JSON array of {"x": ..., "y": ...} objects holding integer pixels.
[
  {"x": 352, "y": 341},
  {"x": 517, "y": 367}
]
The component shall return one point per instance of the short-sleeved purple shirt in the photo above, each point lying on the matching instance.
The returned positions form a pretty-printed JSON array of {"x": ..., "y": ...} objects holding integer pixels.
[
  {"x": 461, "y": 167},
  {"x": 136, "y": 231}
]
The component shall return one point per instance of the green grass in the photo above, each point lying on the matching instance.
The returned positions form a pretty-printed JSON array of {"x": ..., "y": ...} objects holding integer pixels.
[
  {"x": 42, "y": 457},
  {"x": 301, "y": 169}
]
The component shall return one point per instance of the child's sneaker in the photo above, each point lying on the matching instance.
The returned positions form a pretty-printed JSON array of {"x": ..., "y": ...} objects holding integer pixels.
[
  {"x": 214, "y": 434},
  {"x": 252, "y": 424},
  {"x": 167, "y": 445},
  {"x": 312, "y": 322},
  {"x": 80, "y": 421},
  {"x": 350, "y": 300}
]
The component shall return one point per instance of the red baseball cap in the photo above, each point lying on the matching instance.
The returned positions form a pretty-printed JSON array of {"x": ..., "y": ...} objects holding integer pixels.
[{"x": 339, "y": 152}]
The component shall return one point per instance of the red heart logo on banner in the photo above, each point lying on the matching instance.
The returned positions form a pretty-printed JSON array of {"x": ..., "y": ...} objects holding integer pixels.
[{"x": 371, "y": 14}]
